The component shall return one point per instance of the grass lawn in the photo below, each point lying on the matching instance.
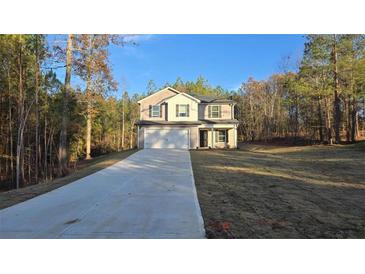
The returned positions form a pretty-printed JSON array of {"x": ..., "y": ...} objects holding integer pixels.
[
  {"x": 83, "y": 169},
  {"x": 282, "y": 192}
]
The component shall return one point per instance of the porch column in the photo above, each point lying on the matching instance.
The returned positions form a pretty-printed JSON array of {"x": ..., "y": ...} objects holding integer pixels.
[{"x": 212, "y": 131}]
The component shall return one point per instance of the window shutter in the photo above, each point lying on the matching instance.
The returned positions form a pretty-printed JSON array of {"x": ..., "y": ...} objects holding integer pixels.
[
  {"x": 150, "y": 110},
  {"x": 210, "y": 111},
  {"x": 216, "y": 137},
  {"x": 187, "y": 110},
  {"x": 177, "y": 110},
  {"x": 160, "y": 110},
  {"x": 227, "y": 136},
  {"x": 220, "y": 111}
]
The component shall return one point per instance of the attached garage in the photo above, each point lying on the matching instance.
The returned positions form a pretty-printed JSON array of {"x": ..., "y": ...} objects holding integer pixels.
[{"x": 166, "y": 138}]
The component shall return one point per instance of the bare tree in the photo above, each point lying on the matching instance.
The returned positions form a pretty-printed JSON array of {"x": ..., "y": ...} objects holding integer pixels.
[{"x": 62, "y": 148}]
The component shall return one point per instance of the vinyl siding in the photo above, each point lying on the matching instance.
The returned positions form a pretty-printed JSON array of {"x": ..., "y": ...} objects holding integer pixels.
[
  {"x": 155, "y": 100},
  {"x": 226, "y": 111},
  {"x": 183, "y": 100}
]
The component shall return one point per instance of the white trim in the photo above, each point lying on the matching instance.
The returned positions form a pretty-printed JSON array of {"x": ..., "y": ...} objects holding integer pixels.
[
  {"x": 159, "y": 111},
  {"x": 187, "y": 109},
  {"x": 228, "y": 126},
  {"x": 212, "y": 132},
  {"x": 167, "y": 88},
  {"x": 218, "y": 103},
  {"x": 184, "y": 94},
  {"x": 174, "y": 90},
  {"x": 198, "y": 136},
  {"x": 219, "y": 111},
  {"x": 225, "y": 135}
]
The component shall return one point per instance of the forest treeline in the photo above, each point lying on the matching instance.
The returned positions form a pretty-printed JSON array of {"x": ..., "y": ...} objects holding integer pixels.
[
  {"x": 321, "y": 100},
  {"x": 47, "y": 124}
]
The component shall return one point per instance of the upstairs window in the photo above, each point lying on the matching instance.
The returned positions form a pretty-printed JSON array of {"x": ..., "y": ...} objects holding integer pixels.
[
  {"x": 155, "y": 111},
  {"x": 182, "y": 110},
  {"x": 214, "y": 111}
]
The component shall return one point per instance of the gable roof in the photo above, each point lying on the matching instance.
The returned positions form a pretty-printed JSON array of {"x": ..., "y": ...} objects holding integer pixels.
[
  {"x": 211, "y": 99},
  {"x": 196, "y": 97},
  {"x": 167, "y": 88},
  {"x": 186, "y": 95}
]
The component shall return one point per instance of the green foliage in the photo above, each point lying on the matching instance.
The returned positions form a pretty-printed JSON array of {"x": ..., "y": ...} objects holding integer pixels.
[
  {"x": 199, "y": 86},
  {"x": 302, "y": 103}
]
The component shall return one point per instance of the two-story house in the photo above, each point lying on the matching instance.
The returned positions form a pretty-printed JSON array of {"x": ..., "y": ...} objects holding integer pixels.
[{"x": 173, "y": 119}]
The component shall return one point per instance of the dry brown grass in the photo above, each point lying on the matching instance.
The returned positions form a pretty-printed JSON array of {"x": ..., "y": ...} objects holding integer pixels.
[
  {"x": 282, "y": 192},
  {"x": 85, "y": 168}
]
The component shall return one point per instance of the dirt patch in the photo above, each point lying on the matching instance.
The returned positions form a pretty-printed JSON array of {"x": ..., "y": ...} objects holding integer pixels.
[
  {"x": 85, "y": 168},
  {"x": 282, "y": 192}
]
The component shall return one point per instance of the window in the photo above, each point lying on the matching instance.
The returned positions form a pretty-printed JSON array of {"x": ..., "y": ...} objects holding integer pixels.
[
  {"x": 221, "y": 136},
  {"x": 182, "y": 110},
  {"x": 155, "y": 111},
  {"x": 214, "y": 111}
]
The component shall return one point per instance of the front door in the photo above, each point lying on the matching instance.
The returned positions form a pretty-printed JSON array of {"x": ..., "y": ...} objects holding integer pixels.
[{"x": 203, "y": 138}]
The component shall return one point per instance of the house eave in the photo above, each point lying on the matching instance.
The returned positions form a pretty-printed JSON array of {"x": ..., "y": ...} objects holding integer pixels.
[
  {"x": 167, "y": 88},
  {"x": 167, "y": 123},
  {"x": 183, "y": 94},
  {"x": 229, "y": 121},
  {"x": 187, "y": 123}
]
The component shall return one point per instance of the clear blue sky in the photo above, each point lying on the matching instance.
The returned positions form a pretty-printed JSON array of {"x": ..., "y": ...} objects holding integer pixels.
[{"x": 226, "y": 60}]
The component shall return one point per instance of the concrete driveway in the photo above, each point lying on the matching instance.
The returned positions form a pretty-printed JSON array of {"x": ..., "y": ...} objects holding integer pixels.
[{"x": 151, "y": 194}]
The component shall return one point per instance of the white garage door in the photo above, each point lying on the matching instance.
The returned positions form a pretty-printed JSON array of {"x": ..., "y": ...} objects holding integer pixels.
[{"x": 166, "y": 138}]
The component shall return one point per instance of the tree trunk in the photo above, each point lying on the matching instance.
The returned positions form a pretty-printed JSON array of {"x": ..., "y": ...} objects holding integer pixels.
[
  {"x": 37, "y": 147},
  {"x": 20, "y": 118},
  {"x": 3, "y": 149},
  {"x": 88, "y": 128},
  {"x": 328, "y": 122},
  {"x": 50, "y": 155},
  {"x": 89, "y": 103},
  {"x": 336, "y": 102},
  {"x": 118, "y": 137},
  {"x": 88, "y": 116},
  {"x": 320, "y": 131},
  {"x": 10, "y": 133},
  {"x": 354, "y": 123},
  {"x": 22, "y": 159},
  {"x": 348, "y": 118},
  {"x": 29, "y": 166},
  {"x": 123, "y": 120},
  {"x": 296, "y": 118},
  {"x": 131, "y": 137},
  {"x": 62, "y": 150},
  {"x": 45, "y": 150},
  {"x": 48, "y": 147},
  {"x": 20, "y": 147}
]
